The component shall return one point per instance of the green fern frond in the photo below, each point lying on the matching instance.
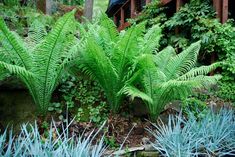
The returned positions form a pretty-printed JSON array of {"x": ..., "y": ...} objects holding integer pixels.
[
  {"x": 151, "y": 40},
  {"x": 202, "y": 70},
  {"x": 110, "y": 27},
  {"x": 184, "y": 61},
  {"x": 134, "y": 92},
  {"x": 126, "y": 48},
  {"x": 162, "y": 58},
  {"x": 14, "y": 46},
  {"x": 36, "y": 34},
  {"x": 16, "y": 70}
]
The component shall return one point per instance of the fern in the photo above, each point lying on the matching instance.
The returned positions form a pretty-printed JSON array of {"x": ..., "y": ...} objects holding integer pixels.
[
  {"x": 40, "y": 67},
  {"x": 111, "y": 57},
  {"x": 170, "y": 77}
]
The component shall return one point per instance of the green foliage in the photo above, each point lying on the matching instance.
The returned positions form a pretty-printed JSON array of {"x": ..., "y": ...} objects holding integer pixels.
[
  {"x": 169, "y": 76},
  {"x": 19, "y": 18},
  {"x": 42, "y": 66},
  {"x": 194, "y": 106},
  {"x": 99, "y": 113},
  {"x": 84, "y": 98},
  {"x": 80, "y": 90},
  {"x": 111, "y": 142},
  {"x": 196, "y": 20},
  {"x": 109, "y": 57},
  {"x": 71, "y": 3}
]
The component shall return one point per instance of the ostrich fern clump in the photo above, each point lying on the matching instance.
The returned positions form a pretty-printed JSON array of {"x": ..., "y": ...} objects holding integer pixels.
[
  {"x": 168, "y": 76},
  {"x": 40, "y": 65},
  {"x": 109, "y": 57}
]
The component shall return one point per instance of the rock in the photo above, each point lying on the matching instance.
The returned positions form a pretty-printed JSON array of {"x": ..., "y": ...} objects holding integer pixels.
[
  {"x": 145, "y": 141},
  {"x": 139, "y": 108},
  {"x": 147, "y": 154},
  {"x": 149, "y": 147}
]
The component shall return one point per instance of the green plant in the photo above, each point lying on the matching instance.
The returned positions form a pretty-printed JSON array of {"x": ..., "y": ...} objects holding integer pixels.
[
  {"x": 169, "y": 76},
  {"x": 194, "y": 106},
  {"x": 40, "y": 68},
  {"x": 99, "y": 113},
  {"x": 73, "y": 2},
  {"x": 80, "y": 114},
  {"x": 109, "y": 57},
  {"x": 110, "y": 141}
]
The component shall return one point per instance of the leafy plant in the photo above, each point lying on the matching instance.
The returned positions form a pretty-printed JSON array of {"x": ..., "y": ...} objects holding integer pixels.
[
  {"x": 41, "y": 67},
  {"x": 109, "y": 57},
  {"x": 56, "y": 143},
  {"x": 99, "y": 113},
  {"x": 170, "y": 76},
  {"x": 196, "y": 20},
  {"x": 213, "y": 135},
  {"x": 194, "y": 106}
]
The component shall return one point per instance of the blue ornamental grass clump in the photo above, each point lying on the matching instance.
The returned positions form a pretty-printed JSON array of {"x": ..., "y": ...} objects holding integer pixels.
[
  {"x": 212, "y": 135},
  {"x": 58, "y": 143}
]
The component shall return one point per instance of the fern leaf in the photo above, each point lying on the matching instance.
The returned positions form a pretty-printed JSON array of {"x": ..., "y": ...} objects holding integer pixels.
[
  {"x": 202, "y": 70},
  {"x": 17, "y": 70},
  {"x": 125, "y": 50},
  {"x": 36, "y": 34},
  {"x": 14, "y": 46},
  {"x": 183, "y": 62},
  {"x": 151, "y": 40},
  {"x": 162, "y": 58},
  {"x": 110, "y": 27},
  {"x": 134, "y": 92},
  {"x": 49, "y": 53}
]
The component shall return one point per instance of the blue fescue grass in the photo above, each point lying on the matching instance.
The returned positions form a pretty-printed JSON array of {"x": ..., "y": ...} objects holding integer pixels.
[
  {"x": 213, "y": 135},
  {"x": 57, "y": 143}
]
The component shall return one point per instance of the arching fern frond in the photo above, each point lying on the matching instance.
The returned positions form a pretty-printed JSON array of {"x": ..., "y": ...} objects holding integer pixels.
[
  {"x": 14, "y": 46},
  {"x": 16, "y": 70},
  {"x": 183, "y": 62},
  {"x": 202, "y": 70}
]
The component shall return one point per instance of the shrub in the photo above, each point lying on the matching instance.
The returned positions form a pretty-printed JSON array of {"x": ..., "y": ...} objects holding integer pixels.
[
  {"x": 39, "y": 66},
  {"x": 168, "y": 76},
  {"x": 109, "y": 57}
]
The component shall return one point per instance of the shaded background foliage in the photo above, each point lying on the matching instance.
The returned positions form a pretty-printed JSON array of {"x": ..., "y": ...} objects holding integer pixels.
[{"x": 195, "y": 21}]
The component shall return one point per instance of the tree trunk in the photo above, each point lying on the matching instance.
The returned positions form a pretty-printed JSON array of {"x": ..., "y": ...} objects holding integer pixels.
[
  {"x": 88, "y": 11},
  {"x": 45, "y": 6}
]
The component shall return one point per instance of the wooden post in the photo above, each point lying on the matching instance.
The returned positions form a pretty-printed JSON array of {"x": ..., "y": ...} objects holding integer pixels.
[
  {"x": 217, "y": 5},
  {"x": 133, "y": 9},
  {"x": 148, "y": 1},
  {"x": 179, "y": 3},
  {"x": 41, "y": 5},
  {"x": 45, "y": 6},
  {"x": 224, "y": 11},
  {"x": 115, "y": 19},
  {"x": 49, "y": 4},
  {"x": 122, "y": 17},
  {"x": 88, "y": 11}
]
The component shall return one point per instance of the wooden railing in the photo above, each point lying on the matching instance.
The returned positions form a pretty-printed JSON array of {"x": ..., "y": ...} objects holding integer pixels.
[{"x": 221, "y": 7}]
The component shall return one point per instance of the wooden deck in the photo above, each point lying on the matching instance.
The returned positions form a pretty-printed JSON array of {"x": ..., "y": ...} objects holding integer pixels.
[{"x": 129, "y": 10}]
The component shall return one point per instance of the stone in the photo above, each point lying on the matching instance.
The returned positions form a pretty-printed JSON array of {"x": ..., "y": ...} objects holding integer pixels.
[{"x": 147, "y": 154}]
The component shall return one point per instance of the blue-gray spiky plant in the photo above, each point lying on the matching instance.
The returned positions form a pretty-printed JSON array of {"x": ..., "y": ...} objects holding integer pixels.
[
  {"x": 57, "y": 143},
  {"x": 213, "y": 135},
  {"x": 40, "y": 63}
]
